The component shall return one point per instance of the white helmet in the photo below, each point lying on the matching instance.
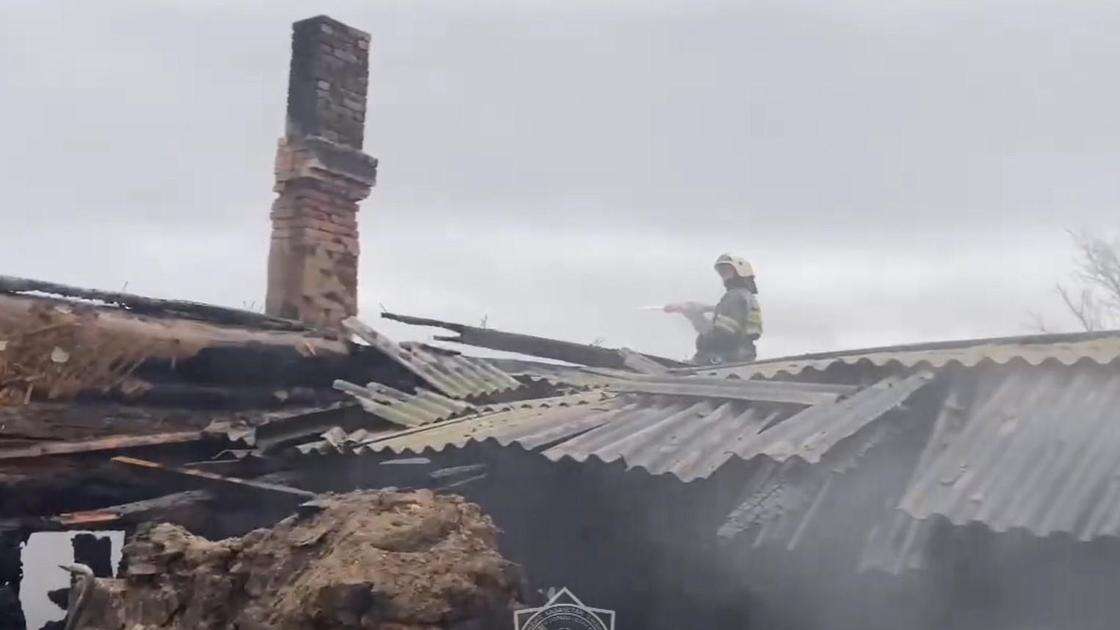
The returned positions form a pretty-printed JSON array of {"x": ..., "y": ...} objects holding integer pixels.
[{"x": 742, "y": 268}]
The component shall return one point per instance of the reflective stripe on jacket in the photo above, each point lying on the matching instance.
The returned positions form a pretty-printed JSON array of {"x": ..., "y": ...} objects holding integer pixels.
[{"x": 736, "y": 323}]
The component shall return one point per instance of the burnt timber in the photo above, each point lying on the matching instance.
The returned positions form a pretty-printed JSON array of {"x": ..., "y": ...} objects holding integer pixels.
[
  {"x": 151, "y": 306},
  {"x": 577, "y": 353}
]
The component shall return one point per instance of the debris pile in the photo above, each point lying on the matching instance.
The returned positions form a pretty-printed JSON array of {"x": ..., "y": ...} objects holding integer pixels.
[
  {"x": 380, "y": 560},
  {"x": 53, "y": 355}
]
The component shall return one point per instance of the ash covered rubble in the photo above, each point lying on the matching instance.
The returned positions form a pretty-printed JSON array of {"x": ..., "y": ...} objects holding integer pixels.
[{"x": 375, "y": 560}]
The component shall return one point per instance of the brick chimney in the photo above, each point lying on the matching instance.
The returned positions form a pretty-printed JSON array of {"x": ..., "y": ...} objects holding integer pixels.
[{"x": 321, "y": 175}]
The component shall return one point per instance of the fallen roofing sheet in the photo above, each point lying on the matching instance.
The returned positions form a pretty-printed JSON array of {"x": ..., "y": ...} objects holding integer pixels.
[
  {"x": 530, "y": 423},
  {"x": 273, "y": 431},
  {"x": 1102, "y": 348},
  {"x": 682, "y": 436},
  {"x": 692, "y": 439},
  {"x": 452, "y": 374},
  {"x": 410, "y": 410},
  {"x": 1034, "y": 449}
]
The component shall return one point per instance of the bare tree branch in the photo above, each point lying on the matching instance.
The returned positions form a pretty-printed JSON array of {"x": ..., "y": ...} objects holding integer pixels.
[
  {"x": 1083, "y": 308},
  {"x": 1098, "y": 264},
  {"x": 1036, "y": 323},
  {"x": 1095, "y": 301}
]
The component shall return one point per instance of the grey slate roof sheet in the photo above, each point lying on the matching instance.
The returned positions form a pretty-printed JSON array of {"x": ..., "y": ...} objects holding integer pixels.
[
  {"x": 692, "y": 439},
  {"x": 680, "y": 435},
  {"x": 1067, "y": 349},
  {"x": 1036, "y": 448}
]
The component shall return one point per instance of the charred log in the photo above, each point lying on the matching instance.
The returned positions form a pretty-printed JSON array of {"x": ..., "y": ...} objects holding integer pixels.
[
  {"x": 581, "y": 354},
  {"x": 152, "y": 306}
]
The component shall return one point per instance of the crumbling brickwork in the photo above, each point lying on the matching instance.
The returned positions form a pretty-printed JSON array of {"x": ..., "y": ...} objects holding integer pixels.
[{"x": 321, "y": 175}]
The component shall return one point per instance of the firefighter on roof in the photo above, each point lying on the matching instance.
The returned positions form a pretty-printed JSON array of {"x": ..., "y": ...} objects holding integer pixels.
[{"x": 736, "y": 322}]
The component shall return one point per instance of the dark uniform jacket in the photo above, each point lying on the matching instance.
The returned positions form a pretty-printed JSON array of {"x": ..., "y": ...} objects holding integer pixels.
[{"x": 736, "y": 324}]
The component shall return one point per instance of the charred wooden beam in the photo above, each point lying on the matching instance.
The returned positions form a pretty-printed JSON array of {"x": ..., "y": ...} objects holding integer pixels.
[
  {"x": 112, "y": 443},
  {"x": 218, "y": 483},
  {"x": 174, "y": 349},
  {"x": 153, "y": 306},
  {"x": 197, "y": 510},
  {"x": 182, "y": 508},
  {"x": 198, "y": 396},
  {"x": 37, "y": 487},
  {"x": 580, "y": 354}
]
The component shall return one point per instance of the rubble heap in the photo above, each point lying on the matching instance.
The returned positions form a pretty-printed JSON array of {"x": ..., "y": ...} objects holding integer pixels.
[
  {"x": 383, "y": 560},
  {"x": 54, "y": 353}
]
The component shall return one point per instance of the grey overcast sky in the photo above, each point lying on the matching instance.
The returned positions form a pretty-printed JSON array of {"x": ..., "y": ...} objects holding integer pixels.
[{"x": 897, "y": 170}]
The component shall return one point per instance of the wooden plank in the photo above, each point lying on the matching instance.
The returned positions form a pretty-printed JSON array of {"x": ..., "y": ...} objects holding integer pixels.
[
  {"x": 580, "y": 354},
  {"x": 90, "y": 519},
  {"x": 112, "y": 443},
  {"x": 215, "y": 482},
  {"x": 190, "y": 507},
  {"x": 163, "y": 508}
]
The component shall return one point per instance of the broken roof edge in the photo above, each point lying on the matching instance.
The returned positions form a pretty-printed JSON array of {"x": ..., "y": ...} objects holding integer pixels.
[
  {"x": 951, "y": 344},
  {"x": 142, "y": 305},
  {"x": 857, "y": 363},
  {"x": 561, "y": 437},
  {"x": 898, "y": 543},
  {"x": 179, "y": 336},
  {"x": 620, "y": 465},
  {"x": 536, "y": 346},
  {"x": 1100, "y": 347}
]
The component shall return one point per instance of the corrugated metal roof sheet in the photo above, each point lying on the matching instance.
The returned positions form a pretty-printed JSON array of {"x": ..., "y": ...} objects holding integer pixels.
[
  {"x": 1032, "y": 449},
  {"x": 778, "y": 502},
  {"x": 681, "y": 436},
  {"x": 452, "y": 374},
  {"x": 530, "y": 423},
  {"x": 573, "y": 376},
  {"x": 735, "y": 389},
  {"x": 1102, "y": 348},
  {"x": 692, "y": 439},
  {"x": 782, "y": 502},
  {"x": 410, "y": 410},
  {"x": 1037, "y": 449},
  {"x": 897, "y": 544}
]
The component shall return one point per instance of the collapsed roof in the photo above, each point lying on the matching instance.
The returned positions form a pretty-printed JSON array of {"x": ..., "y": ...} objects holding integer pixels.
[
  {"x": 1013, "y": 433},
  {"x": 996, "y": 404}
]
